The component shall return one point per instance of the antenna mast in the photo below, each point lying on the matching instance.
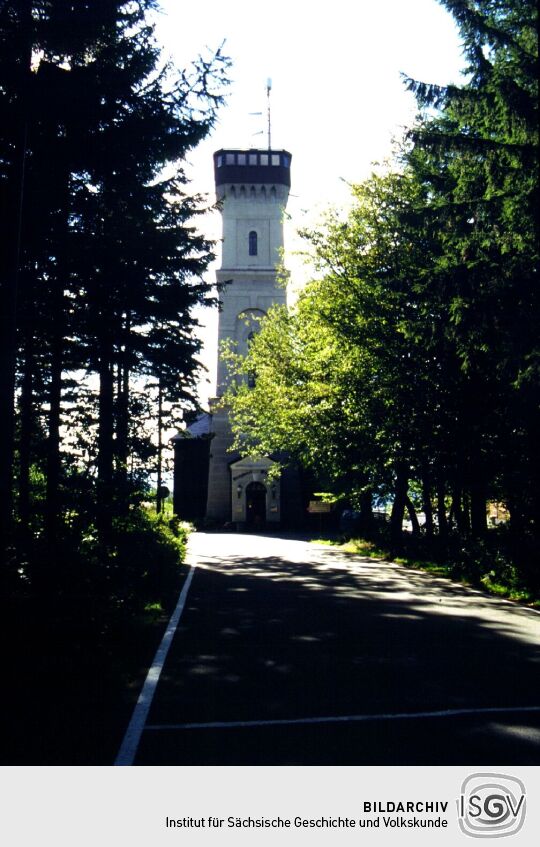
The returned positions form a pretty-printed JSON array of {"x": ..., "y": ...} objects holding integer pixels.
[{"x": 268, "y": 90}]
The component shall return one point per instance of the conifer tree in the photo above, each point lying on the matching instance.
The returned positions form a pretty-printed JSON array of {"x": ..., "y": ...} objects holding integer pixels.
[
  {"x": 107, "y": 250},
  {"x": 480, "y": 157}
]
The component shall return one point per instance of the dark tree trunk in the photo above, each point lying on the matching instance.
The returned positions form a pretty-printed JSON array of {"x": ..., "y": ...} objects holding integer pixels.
[
  {"x": 105, "y": 441},
  {"x": 159, "y": 498},
  {"x": 441, "y": 510},
  {"x": 478, "y": 503},
  {"x": 52, "y": 503},
  {"x": 26, "y": 433},
  {"x": 466, "y": 512},
  {"x": 476, "y": 488},
  {"x": 426, "y": 503},
  {"x": 413, "y": 516},
  {"x": 533, "y": 471},
  {"x": 11, "y": 218},
  {"x": 10, "y": 223},
  {"x": 458, "y": 511},
  {"x": 367, "y": 521},
  {"x": 122, "y": 425},
  {"x": 7, "y": 412},
  {"x": 398, "y": 506},
  {"x": 122, "y": 410}
]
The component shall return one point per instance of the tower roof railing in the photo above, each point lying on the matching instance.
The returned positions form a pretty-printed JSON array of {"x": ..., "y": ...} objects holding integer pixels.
[{"x": 252, "y": 165}]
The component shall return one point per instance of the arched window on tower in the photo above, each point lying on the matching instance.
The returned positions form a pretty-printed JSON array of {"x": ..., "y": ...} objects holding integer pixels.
[{"x": 252, "y": 238}]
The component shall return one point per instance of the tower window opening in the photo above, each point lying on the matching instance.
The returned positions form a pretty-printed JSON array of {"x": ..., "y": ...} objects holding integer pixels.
[
  {"x": 252, "y": 158},
  {"x": 275, "y": 158},
  {"x": 264, "y": 158},
  {"x": 241, "y": 158},
  {"x": 252, "y": 239}
]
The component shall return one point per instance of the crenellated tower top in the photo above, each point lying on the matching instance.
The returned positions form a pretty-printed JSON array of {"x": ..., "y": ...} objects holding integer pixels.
[{"x": 251, "y": 167}]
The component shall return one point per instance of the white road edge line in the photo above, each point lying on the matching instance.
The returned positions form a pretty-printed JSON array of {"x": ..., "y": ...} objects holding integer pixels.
[
  {"x": 446, "y": 713},
  {"x": 130, "y": 744}
]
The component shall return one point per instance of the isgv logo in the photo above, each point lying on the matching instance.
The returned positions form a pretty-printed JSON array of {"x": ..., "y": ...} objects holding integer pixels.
[{"x": 491, "y": 805}]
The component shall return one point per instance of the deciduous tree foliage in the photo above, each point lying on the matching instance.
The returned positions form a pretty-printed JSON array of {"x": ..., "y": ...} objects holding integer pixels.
[{"x": 410, "y": 362}]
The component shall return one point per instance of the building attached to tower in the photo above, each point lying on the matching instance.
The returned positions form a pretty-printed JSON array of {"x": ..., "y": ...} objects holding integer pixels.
[{"x": 212, "y": 482}]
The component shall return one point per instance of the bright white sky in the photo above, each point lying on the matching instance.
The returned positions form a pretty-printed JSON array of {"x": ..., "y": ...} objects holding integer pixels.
[{"x": 337, "y": 96}]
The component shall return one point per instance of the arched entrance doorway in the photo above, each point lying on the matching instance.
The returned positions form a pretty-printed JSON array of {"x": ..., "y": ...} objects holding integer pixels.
[{"x": 256, "y": 505}]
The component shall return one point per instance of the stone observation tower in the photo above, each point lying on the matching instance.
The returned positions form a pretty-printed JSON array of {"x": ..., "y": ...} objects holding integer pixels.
[{"x": 252, "y": 187}]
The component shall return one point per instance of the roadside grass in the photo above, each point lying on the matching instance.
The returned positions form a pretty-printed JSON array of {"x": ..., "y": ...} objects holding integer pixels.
[
  {"x": 74, "y": 661},
  {"x": 69, "y": 691},
  {"x": 487, "y": 581}
]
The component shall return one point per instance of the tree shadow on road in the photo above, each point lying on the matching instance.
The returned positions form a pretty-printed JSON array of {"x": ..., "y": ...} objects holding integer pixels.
[{"x": 267, "y": 638}]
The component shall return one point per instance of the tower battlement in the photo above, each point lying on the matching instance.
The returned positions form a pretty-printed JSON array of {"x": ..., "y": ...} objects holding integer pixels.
[{"x": 247, "y": 167}]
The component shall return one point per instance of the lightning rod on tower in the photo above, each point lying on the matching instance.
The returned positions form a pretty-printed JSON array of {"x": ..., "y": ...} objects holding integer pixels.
[{"x": 268, "y": 90}]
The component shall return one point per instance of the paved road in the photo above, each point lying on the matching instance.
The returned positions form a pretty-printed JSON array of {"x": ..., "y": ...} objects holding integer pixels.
[{"x": 292, "y": 653}]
